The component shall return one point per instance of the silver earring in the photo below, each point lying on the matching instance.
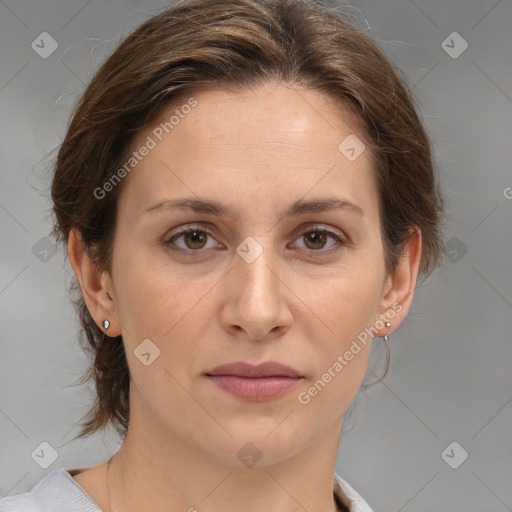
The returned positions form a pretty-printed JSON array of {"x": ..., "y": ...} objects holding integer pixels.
[
  {"x": 386, "y": 340},
  {"x": 386, "y": 337},
  {"x": 106, "y": 324}
]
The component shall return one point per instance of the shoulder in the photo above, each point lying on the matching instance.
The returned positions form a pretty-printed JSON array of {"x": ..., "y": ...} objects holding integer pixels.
[
  {"x": 348, "y": 496},
  {"x": 56, "y": 492},
  {"x": 22, "y": 503}
]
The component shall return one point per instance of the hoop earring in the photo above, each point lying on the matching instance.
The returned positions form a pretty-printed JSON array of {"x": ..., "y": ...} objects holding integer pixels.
[{"x": 386, "y": 341}]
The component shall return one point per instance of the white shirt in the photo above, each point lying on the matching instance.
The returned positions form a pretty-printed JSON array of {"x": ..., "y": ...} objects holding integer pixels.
[{"x": 58, "y": 492}]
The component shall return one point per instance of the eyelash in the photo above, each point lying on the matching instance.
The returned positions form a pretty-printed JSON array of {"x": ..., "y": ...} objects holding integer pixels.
[{"x": 184, "y": 230}]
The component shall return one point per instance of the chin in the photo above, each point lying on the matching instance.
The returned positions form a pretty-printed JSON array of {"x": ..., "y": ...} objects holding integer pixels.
[{"x": 261, "y": 441}]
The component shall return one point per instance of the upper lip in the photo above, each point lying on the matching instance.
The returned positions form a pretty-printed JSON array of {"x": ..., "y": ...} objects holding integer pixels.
[{"x": 242, "y": 369}]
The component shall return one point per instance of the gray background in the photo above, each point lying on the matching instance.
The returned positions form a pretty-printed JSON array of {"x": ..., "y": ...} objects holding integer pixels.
[{"x": 450, "y": 377}]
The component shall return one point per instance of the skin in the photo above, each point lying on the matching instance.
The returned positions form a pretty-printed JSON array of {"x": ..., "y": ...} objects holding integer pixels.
[{"x": 287, "y": 305}]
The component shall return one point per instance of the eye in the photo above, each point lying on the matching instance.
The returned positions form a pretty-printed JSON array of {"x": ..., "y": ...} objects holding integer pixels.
[
  {"x": 316, "y": 238},
  {"x": 194, "y": 239}
]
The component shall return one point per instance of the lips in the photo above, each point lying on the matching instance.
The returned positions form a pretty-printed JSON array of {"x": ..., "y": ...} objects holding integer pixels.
[
  {"x": 270, "y": 369},
  {"x": 255, "y": 383}
]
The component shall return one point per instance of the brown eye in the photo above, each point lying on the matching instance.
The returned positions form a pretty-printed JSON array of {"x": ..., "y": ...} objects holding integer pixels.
[
  {"x": 195, "y": 239},
  {"x": 191, "y": 239},
  {"x": 315, "y": 240}
]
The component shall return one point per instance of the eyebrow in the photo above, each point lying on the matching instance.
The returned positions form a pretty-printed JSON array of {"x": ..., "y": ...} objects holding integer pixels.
[{"x": 211, "y": 207}]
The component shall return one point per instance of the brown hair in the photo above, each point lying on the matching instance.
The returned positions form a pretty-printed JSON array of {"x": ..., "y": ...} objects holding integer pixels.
[{"x": 234, "y": 44}]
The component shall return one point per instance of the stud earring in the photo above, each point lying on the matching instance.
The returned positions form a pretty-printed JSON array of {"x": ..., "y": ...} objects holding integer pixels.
[{"x": 106, "y": 324}]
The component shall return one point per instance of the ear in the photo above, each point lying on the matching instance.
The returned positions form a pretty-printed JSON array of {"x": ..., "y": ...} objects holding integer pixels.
[
  {"x": 96, "y": 286},
  {"x": 398, "y": 289}
]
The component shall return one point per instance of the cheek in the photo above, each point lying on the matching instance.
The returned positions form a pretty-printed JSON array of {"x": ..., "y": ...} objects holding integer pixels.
[
  {"x": 340, "y": 358},
  {"x": 347, "y": 304},
  {"x": 165, "y": 303},
  {"x": 155, "y": 302},
  {"x": 348, "y": 299},
  {"x": 153, "y": 296}
]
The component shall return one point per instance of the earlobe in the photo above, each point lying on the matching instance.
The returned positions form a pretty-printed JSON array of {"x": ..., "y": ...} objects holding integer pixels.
[{"x": 94, "y": 284}]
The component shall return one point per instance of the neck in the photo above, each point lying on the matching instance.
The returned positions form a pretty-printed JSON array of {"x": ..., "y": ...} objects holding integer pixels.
[{"x": 158, "y": 470}]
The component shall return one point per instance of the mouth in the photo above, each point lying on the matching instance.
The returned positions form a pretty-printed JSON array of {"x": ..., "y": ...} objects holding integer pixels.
[{"x": 255, "y": 383}]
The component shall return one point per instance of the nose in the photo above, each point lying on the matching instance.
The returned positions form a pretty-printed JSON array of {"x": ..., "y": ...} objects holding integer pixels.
[{"x": 256, "y": 305}]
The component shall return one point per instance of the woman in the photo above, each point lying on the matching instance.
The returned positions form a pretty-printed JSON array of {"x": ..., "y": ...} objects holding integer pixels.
[{"x": 248, "y": 197}]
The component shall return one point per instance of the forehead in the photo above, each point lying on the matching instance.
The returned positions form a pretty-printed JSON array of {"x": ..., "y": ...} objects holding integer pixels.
[
  {"x": 242, "y": 115},
  {"x": 270, "y": 142}
]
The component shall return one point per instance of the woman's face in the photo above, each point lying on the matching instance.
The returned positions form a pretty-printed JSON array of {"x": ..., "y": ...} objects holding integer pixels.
[{"x": 258, "y": 279}]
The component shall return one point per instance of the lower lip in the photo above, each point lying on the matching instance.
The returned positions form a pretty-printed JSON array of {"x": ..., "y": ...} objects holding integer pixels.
[{"x": 255, "y": 389}]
